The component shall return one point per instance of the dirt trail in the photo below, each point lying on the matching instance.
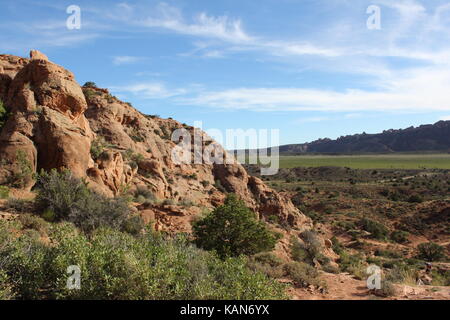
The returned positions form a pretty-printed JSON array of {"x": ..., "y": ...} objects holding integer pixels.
[{"x": 345, "y": 287}]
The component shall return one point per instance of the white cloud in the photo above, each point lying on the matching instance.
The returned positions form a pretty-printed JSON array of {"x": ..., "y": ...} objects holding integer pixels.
[
  {"x": 418, "y": 90},
  {"x": 148, "y": 90},
  {"x": 222, "y": 28},
  {"x": 390, "y": 87},
  {"x": 446, "y": 118},
  {"x": 121, "y": 60}
]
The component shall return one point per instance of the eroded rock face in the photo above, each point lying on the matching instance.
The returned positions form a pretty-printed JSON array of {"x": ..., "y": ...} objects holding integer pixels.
[
  {"x": 47, "y": 121},
  {"x": 43, "y": 83},
  {"x": 54, "y": 122},
  {"x": 149, "y": 139},
  {"x": 9, "y": 66},
  {"x": 37, "y": 55}
]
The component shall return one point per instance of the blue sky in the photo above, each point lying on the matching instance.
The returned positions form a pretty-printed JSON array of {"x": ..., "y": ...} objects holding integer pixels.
[{"x": 309, "y": 68}]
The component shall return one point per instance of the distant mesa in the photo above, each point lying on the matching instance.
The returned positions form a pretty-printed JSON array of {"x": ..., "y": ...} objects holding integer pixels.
[{"x": 425, "y": 138}]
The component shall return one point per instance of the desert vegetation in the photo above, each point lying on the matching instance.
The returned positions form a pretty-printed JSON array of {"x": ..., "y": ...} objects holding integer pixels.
[
  {"x": 396, "y": 219},
  {"x": 119, "y": 257}
]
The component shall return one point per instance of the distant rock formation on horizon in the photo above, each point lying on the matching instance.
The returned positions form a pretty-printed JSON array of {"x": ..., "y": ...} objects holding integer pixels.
[{"x": 425, "y": 138}]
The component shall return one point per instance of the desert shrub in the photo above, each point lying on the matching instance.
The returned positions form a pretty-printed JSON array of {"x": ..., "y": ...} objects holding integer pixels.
[
  {"x": 315, "y": 217},
  {"x": 415, "y": 198},
  {"x": 218, "y": 185},
  {"x": 353, "y": 264},
  {"x": 186, "y": 203},
  {"x": 29, "y": 221},
  {"x": 376, "y": 229},
  {"x": 3, "y": 114},
  {"x": 402, "y": 273},
  {"x": 440, "y": 277},
  {"x": 400, "y": 236},
  {"x": 133, "y": 225},
  {"x": 268, "y": 258},
  {"x": 308, "y": 251},
  {"x": 94, "y": 211},
  {"x": 387, "y": 289},
  {"x": 336, "y": 245},
  {"x": 115, "y": 265},
  {"x": 5, "y": 287},
  {"x": 232, "y": 229},
  {"x": 97, "y": 148},
  {"x": 69, "y": 199},
  {"x": 431, "y": 251},
  {"x": 204, "y": 183},
  {"x": 4, "y": 192},
  {"x": 143, "y": 192},
  {"x": 59, "y": 192},
  {"x": 18, "y": 205},
  {"x": 90, "y": 84},
  {"x": 24, "y": 174},
  {"x": 22, "y": 261},
  {"x": 346, "y": 225},
  {"x": 133, "y": 158},
  {"x": 267, "y": 263},
  {"x": 273, "y": 219},
  {"x": 330, "y": 268},
  {"x": 168, "y": 202},
  {"x": 387, "y": 254},
  {"x": 192, "y": 176},
  {"x": 90, "y": 93},
  {"x": 302, "y": 274},
  {"x": 137, "y": 137}
]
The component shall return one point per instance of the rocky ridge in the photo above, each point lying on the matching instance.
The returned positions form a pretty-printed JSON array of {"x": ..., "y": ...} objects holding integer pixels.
[{"x": 55, "y": 123}]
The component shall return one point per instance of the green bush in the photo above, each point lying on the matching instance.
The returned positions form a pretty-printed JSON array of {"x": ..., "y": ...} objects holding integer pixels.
[
  {"x": 133, "y": 225},
  {"x": 431, "y": 251},
  {"x": 90, "y": 84},
  {"x": 3, "y": 114},
  {"x": 19, "y": 205},
  {"x": 308, "y": 251},
  {"x": 94, "y": 211},
  {"x": 144, "y": 193},
  {"x": 353, "y": 264},
  {"x": 97, "y": 148},
  {"x": 415, "y": 198},
  {"x": 387, "y": 289},
  {"x": 267, "y": 263},
  {"x": 29, "y": 221},
  {"x": 115, "y": 265},
  {"x": 5, "y": 287},
  {"x": 303, "y": 274},
  {"x": 4, "y": 192},
  {"x": 70, "y": 199},
  {"x": 376, "y": 229},
  {"x": 400, "y": 236},
  {"x": 59, "y": 192},
  {"x": 402, "y": 273},
  {"x": 232, "y": 229},
  {"x": 387, "y": 254},
  {"x": 24, "y": 175}
]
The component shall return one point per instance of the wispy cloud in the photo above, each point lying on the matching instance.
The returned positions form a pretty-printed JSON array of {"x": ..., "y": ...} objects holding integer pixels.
[
  {"x": 121, "y": 60},
  {"x": 418, "y": 90},
  {"x": 148, "y": 90},
  {"x": 222, "y": 27}
]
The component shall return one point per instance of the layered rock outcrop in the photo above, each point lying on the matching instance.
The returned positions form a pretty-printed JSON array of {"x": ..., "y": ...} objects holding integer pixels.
[{"x": 54, "y": 123}]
